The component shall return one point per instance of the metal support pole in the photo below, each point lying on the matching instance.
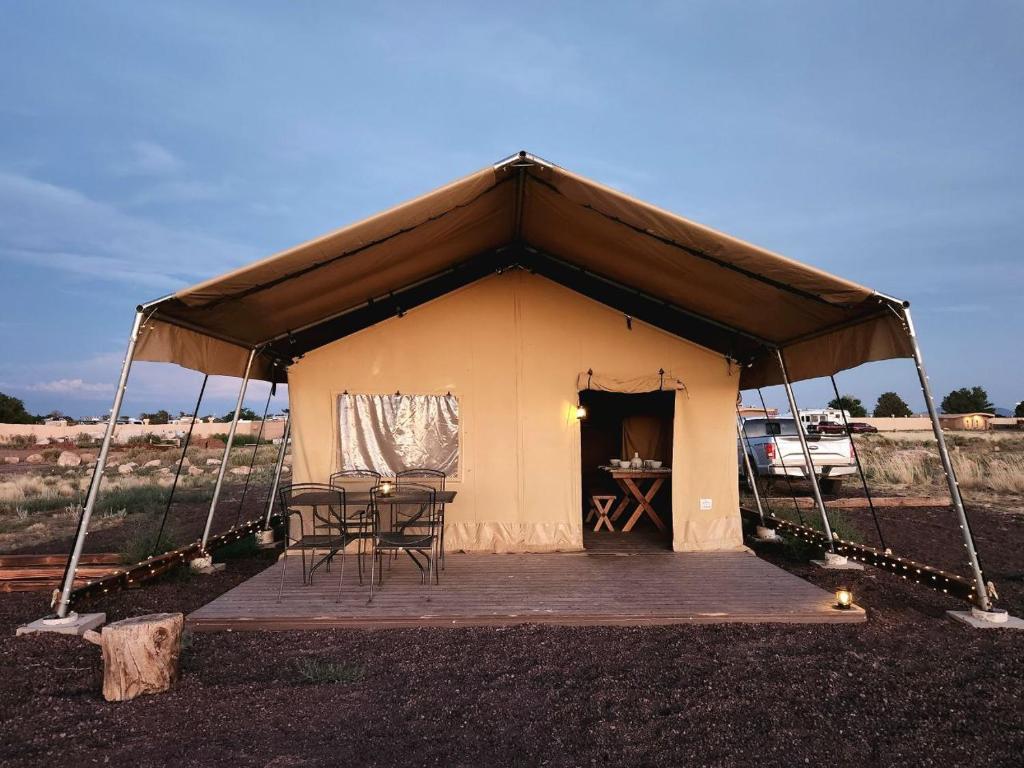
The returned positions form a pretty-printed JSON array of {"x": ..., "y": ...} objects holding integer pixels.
[
  {"x": 809, "y": 463},
  {"x": 751, "y": 479},
  {"x": 277, "y": 470},
  {"x": 227, "y": 451},
  {"x": 981, "y": 590},
  {"x": 97, "y": 475}
]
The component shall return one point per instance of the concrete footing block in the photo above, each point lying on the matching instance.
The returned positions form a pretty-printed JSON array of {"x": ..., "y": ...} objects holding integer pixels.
[
  {"x": 205, "y": 565},
  {"x": 834, "y": 562},
  {"x": 72, "y": 624},
  {"x": 265, "y": 540},
  {"x": 979, "y": 619},
  {"x": 763, "y": 533}
]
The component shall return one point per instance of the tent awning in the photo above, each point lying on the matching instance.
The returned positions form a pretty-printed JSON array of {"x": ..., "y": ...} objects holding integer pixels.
[{"x": 700, "y": 284}]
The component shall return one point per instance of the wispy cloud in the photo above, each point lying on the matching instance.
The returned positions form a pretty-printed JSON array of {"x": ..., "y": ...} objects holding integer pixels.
[
  {"x": 58, "y": 228},
  {"x": 147, "y": 158},
  {"x": 71, "y": 387}
]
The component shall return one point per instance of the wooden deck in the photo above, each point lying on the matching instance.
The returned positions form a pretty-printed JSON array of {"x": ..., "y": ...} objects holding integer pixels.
[{"x": 569, "y": 588}]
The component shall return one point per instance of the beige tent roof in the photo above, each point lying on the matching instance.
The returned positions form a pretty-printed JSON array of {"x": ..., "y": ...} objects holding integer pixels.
[{"x": 523, "y": 212}]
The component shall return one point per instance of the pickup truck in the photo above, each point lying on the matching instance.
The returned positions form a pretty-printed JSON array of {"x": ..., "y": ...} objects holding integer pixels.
[{"x": 774, "y": 450}]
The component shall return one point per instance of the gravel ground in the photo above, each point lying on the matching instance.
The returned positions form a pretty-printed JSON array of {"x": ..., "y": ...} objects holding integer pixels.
[{"x": 908, "y": 687}]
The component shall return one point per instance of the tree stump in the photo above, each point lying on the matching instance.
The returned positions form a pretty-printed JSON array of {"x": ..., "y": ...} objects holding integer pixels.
[{"x": 140, "y": 655}]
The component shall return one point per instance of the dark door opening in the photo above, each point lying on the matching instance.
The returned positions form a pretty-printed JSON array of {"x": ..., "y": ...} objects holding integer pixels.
[{"x": 620, "y": 426}]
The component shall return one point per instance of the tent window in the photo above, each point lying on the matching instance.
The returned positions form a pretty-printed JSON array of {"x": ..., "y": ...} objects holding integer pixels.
[{"x": 390, "y": 433}]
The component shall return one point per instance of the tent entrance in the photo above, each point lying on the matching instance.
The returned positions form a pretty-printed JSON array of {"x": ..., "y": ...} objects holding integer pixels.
[{"x": 620, "y": 425}]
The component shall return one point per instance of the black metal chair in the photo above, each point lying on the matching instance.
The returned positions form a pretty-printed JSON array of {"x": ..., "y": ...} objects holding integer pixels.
[
  {"x": 412, "y": 527},
  {"x": 332, "y": 526},
  {"x": 358, "y": 481},
  {"x": 434, "y": 478}
]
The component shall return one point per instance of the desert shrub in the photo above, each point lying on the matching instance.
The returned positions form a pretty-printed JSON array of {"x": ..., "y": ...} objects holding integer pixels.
[
  {"x": 142, "y": 543},
  {"x": 143, "y": 439},
  {"x": 319, "y": 671},
  {"x": 239, "y": 439},
  {"x": 20, "y": 441},
  {"x": 85, "y": 440}
]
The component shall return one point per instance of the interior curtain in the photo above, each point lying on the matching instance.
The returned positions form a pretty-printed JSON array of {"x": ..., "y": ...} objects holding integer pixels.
[{"x": 391, "y": 433}]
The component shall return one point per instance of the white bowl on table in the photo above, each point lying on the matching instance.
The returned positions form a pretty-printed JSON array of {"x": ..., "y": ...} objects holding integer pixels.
[{"x": 654, "y": 464}]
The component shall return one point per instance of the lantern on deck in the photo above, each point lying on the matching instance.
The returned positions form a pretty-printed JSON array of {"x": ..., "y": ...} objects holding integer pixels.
[{"x": 844, "y": 599}]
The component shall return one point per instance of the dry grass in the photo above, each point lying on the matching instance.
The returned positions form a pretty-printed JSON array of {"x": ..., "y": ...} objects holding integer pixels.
[{"x": 991, "y": 463}]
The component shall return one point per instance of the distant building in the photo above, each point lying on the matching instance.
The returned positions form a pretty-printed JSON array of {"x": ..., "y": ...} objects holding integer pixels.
[
  {"x": 754, "y": 412},
  {"x": 971, "y": 421},
  {"x": 55, "y": 423}
]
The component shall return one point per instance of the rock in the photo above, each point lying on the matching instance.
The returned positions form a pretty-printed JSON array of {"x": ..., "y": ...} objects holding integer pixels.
[
  {"x": 68, "y": 459},
  {"x": 11, "y": 459},
  {"x": 285, "y": 468},
  {"x": 165, "y": 470},
  {"x": 126, "y": 469},
  {"x": 213, "y": 462},
  {"x": 153, "y": 463},
  {"x": 239, "y": 470},
  {"x": 194, "y": 471},
  {"x": 35, "y": 458},
  {"x": 43, "y": 441}
]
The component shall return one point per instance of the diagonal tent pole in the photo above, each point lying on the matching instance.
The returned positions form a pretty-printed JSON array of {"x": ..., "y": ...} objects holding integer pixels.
[
  {"x": 277, "y": 469},
  {"x": 255, "y": 450},
  {"x": 856, "y": 459},
  {"x": 782, "y": 460},
  {"x": 181, "y": 463},
  {"x": 809, "y": 462},
  {"x": 980, "y": 588},
  {"x": 227, "y": 451},
  {"x": 64, "y": 601},
  {"x": 751, "y": 480}
]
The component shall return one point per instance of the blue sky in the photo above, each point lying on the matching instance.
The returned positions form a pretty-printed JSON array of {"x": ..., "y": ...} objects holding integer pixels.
[{"x": 146, "y": 146}]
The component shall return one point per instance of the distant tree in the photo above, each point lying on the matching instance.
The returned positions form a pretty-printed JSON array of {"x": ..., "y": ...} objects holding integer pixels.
[
  {"x": 12, "y": 411},
  {"x": 160, "y": 417},
  {"x": 849, "y": 403},
  {"x": 891, "y": 404},
  {"x": 246, "y": 414},
  {"x": 1019, "y": 410},
  {"x": 967, "y": 400}
]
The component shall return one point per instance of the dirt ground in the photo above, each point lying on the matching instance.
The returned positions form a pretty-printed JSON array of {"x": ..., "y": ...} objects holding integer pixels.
[{"x": 909, "y": 687}]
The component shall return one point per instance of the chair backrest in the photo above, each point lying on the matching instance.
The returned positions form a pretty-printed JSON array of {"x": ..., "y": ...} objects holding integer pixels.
[
  {"x": 433, "y": 478},
  {"x": 327, "y": 502},
  {"x": 355, "y": 479},
  {"x": 410, "y": 506}
]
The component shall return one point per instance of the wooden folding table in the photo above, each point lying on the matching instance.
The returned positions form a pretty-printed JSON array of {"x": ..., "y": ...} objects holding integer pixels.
[{"x": 633, "y": 482}]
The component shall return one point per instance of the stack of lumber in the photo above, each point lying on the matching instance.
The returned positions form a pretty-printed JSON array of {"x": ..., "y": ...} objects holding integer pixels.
[{"x": 42, "y": 573}]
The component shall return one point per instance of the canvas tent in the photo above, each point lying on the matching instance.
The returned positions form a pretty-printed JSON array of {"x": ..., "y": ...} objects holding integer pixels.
[{"x": 501, "y": 289}]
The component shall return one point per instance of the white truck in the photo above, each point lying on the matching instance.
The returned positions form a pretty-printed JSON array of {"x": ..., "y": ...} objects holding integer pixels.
[{"x": 774, "y": 451}]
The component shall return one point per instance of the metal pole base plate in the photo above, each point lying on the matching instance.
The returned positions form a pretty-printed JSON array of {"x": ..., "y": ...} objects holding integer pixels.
[
  {"x": 763, "y": 533},
  {"x": 72, "y": 624},
  {"x": 979, "y": 619}
]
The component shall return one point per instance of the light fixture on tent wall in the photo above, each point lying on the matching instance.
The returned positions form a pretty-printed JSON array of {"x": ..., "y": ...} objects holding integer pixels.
[
  {"x": 844, "y": 599},
  {"x": 581, "y": 410},
  {"x": 629, "y": 322}
]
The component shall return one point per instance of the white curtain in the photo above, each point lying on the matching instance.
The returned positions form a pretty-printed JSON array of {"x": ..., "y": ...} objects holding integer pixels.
[{"x": 390, "y": 433}]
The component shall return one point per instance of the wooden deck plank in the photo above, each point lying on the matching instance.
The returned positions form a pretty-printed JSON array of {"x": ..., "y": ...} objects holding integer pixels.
[{"x": 568, "y": 588}]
